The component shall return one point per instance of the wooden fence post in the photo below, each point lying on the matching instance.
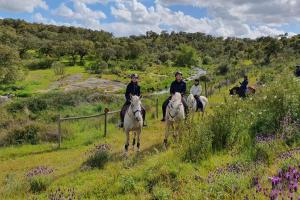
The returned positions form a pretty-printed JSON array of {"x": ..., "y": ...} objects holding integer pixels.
[
  {"x": 156, "y": 107},
  {"x": 59, "y": 130},
  {"x": 106, "y": 110}
]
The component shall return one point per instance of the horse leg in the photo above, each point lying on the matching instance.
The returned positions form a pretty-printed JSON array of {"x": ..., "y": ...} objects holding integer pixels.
[
  {"x": 175, "y": 133},
  {"x": 138, "y": 140},
  {"x": 133, "y": 140},
  {"x": 166, "y": 135},
  {"x": 127, "y": 143}
]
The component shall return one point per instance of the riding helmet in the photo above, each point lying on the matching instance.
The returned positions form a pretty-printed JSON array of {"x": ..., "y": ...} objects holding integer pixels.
[
  {"x": 178, "y": 72},
  {"x": 134, "y": 76}
]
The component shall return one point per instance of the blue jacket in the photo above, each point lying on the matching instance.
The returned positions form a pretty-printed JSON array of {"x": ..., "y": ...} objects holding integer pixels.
[
  {"x": 178, "y": 87},
  {"x": 133, "y": 89},
  {"x": 244, "y": 85}
]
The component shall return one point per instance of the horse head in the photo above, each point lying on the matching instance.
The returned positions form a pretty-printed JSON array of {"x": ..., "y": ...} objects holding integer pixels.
[
  {"x": 191, "y": 101},
  {"x": 175, "y": 107},
  {"x": 136, "y": 107}
]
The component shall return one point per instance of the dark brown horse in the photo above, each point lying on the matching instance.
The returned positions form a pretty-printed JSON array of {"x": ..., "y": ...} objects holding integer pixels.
[{"x": 236, "y": 91}]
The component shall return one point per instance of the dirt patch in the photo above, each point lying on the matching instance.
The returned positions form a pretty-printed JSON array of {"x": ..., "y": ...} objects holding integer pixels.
[
  {"x": 96, "y": 83},
  {"x": 76, "y": 82}
]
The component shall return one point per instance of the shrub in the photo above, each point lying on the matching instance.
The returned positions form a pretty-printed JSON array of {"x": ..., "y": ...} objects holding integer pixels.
[
  {"x": 16, "y": 106},
  {"x": 196, "y": 143},
  {"x": 58, "y": 68},
  {"x": 263, "y": 153},
  {"x": 98, "y": 156},
  {"x": 44, "y": 63},
  {"x": 37, "y": 104},
  {"x": 39, "y": 183},
  {"x": 127, "y": 184},
  {"x": 223, "y": 69},
  {"x": 24, "y": 134},
  {"x": 98, "y": 68},
  {"x": 207, "y": 60}
]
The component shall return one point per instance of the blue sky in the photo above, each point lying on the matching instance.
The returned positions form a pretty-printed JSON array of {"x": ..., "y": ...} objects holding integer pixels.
[{"x": 238, "y": 18}]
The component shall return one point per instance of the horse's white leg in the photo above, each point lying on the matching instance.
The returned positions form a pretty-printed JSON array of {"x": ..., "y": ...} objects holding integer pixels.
[
  {"x": 127, "y": 142},
  {"x": 166, "y": 134},
  {"x": 138, "y": 139},
  {"x": 133, "y": 140}
]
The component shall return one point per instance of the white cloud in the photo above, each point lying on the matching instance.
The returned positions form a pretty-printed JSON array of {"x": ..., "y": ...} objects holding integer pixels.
[
  {"x": 39, "y": 18},
  {"x": 257, "y": 12},
  {"x": 222, "y": 21},
  {"x": 84, "y": 15},
  {"x": 22, "y": 5},
  {"x": 239, "y": 18}
]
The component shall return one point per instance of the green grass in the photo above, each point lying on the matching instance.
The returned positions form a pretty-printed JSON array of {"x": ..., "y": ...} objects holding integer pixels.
[{"x": 151, "y": 174}]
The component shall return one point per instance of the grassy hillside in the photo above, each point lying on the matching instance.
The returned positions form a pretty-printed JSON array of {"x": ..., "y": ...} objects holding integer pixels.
[{"x": 240, "y": 168}]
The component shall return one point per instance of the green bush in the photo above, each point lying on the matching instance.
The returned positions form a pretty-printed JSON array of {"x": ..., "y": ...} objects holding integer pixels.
[
  {"x": 207, "y": 60},
  {"x": 223, "y": 69},
  {"x": 24, "y": 134},
  {"x": 39, "y": 183},
  {"x": 16, "y": 106},
  {"x": 127, "y": 184},
  {"x": 58, "y": 68},
  {"x": 196, "y": 143},
  {"x": 44, "y": 63},
  {"x": 98, "y": 159},
  {"x": 37, "y": 104}
]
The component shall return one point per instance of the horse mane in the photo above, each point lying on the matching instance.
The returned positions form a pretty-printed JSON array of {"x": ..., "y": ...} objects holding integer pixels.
[
  {"x": 135, "y": 99},
  {"x": 176, "y": 97}
]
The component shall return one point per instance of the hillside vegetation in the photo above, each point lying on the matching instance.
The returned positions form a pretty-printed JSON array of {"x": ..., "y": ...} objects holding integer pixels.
[{"x": 240, "y": 149}]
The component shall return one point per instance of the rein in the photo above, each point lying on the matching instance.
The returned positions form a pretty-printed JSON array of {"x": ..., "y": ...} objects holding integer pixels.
[{"x": 134, "y": 112}]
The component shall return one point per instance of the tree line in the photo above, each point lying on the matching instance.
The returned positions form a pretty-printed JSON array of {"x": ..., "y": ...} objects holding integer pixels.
[{"x": 23, "y": 43}]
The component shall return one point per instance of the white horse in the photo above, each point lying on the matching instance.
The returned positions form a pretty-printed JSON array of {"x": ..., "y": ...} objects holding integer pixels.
[
  {"x": 192, "y": 103},
  {"x": 133, "y": 121},
  {"x": 174, "y": 116}
]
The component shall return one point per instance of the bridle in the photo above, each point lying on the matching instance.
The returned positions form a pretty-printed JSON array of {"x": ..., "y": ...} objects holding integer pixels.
[
  {"x": 134, "y": 112},
  {"x": 171, "y": 106}
]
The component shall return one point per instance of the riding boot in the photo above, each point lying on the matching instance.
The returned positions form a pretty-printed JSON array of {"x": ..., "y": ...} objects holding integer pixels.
[
  {"x": 186, "y": 108},
  {"x": 164, "y": 108},
  {"x": 199, "y": 104},
  {"x": 122, "y": 113}
]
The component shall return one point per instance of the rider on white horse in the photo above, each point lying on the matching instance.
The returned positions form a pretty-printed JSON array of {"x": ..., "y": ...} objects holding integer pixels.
[
  {"x": 177, "y": 86},
  {"x": 132, "y": 89},
  {"x": 196, "y": 91}
]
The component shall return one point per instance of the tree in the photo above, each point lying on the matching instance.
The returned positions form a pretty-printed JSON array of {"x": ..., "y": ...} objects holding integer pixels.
[
  {"x": 71, "y": 51},
  {"x": 187, "y": 56},
  {"x": 273, "y": 47},
  {"x": 82, "y": 48},
  {"x": 9, "y": 64},
  {"x": 108, "y": 54}
]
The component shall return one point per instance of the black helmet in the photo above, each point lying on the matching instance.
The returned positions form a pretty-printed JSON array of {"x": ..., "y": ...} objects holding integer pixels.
[
  {"x": 178, "y": 72},
  {"x": 197, "y": 80},
  {"x": 134, "y": 76}
]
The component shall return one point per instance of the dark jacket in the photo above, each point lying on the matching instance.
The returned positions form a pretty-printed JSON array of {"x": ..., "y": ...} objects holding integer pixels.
[
  {"x": 244, "y": 85},
  {"x": 133, "y": 89},
  {"x": 178, "y": 87}
]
